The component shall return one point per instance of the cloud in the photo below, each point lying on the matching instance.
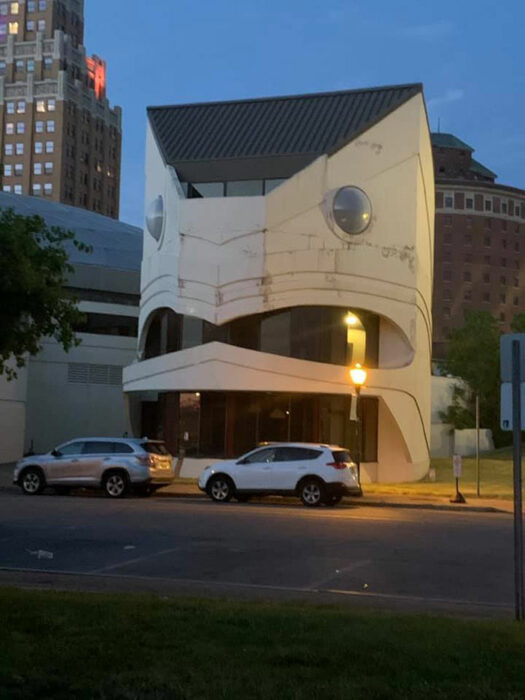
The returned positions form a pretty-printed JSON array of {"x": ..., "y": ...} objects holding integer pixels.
[
  {"x": 428, "y": 32},
  {"x": 451, "y": 95}
]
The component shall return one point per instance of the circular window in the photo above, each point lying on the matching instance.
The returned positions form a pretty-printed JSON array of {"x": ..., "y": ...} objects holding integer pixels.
[
  {"x": 155, "y": 218},
  {"x": 352, "y": 210}
]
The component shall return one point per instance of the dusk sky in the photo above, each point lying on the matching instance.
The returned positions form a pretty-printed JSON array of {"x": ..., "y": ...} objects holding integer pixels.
[{"x": 469, "y": 54}]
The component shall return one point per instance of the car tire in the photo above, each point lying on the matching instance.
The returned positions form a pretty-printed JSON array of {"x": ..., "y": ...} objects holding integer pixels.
[
  {"x": 312, "y": 492},
  {"x": 220, "y": 489},
  {"x": 115, "y": 484},
  {"x": 32, "y": 481},
  {"x": 333, "y": 500}
]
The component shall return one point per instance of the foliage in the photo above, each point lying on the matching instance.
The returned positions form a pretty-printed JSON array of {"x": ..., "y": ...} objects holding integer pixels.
[
  {"x": 34, "y": 302},
  {"x": 473, "y": 354},
  {"x": 461, "y": 412},
  {"x": 518, "y": 324}
]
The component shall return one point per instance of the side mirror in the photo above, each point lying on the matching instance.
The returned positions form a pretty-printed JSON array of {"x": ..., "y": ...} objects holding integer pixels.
[{"x": 56, "y": 453}]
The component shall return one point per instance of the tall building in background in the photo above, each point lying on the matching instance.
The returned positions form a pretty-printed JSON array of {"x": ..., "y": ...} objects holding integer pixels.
[
  {"x": 479, "y": 243},
  {"x": 60, "y": 138}
]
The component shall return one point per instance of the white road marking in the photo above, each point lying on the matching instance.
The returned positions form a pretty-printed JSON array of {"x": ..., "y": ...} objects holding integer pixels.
[
  {"x": 138, "y": 560},
  {"x": 347, "y": 569}
]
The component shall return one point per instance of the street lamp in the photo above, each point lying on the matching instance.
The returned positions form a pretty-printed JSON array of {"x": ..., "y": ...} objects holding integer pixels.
[{"x": 358, "y": 375}]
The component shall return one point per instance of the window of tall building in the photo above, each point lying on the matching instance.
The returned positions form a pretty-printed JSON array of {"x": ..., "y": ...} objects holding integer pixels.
[
  {"x": 39, "y": 147},
  {"x": 30, "y": 65},
  {"x": 486, "y": 277},
  {"x": 31, "y": 5},
  {"x": 49, "y": 167},
  {"x": 40, "y": 105},
  {"x": 503, "y": 298},
  {"x": 467, "y": 294},
  {"x": 18, "y": 189},
  {"x": 449, "y": 201},
  {"x": 516, "y": 282},
  {"x": 503, "y": 280},
  {"x": 469, "y": 203},
  {"x": 42, "y": 4},
  {"x": 50, "y": 125},
  {"x": 487, "y": 241},
  {"x": 14, "y": 8},
  {"x": 8, "y": 170},
  {"x": 19, "y": 168},
  {"x": 48, "y": 62},
  {"x": 50, "y": 146},
  {"x": 503, "y": 242},
  {"x": 19, "y": 149},
  {"x": 487, "y": 260},
  {"x": 20, "y": 128},
  {"x": 488, "y": 205},
  {"x": 20, "y": 65},
  {"x": 13, "y": 29},
  {"x": 486, "y": 296},
  {"x": 51, "y": 105},
  {"x": 516, "y": 301},
  {"x": 7, "y": 188},
  {"x": 10, "y": 107},
  {"x": 37, "y": 188},
  {"x": 9, "y": 128},
  {"x": 21, "y": 107},
  {"x": 37, "y": 168},
  {"x": 467, "y": 276},
  {"x": 502, "y": 317},
  {"x": 8, "y": 149},
  {"x": 41, "y": 25},
  {"x": 4, "y": 9},
  {"x": 39, "y": 127},
  {"x": 48, "y": 188}
]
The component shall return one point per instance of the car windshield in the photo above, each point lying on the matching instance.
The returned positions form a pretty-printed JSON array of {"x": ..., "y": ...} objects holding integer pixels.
[
  {"x": 155, "y": 448},
  {"x": 341, "y": 456}
]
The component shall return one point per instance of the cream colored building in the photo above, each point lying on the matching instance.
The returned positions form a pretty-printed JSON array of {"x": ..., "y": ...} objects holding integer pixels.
[{"x": 269, "y": 223}]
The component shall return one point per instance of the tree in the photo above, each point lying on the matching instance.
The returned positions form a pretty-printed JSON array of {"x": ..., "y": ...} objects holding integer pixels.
[
  {"x": 473, "y": 354},
  {"x": 33, "y": 301}
]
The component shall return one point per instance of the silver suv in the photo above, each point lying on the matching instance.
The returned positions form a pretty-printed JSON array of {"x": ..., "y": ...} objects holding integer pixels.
[{"x": 114, "y": 464}]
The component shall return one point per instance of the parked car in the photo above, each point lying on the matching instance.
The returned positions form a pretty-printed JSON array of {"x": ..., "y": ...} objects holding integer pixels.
[
  {"x": 318, "y": 474},
  {"x": 114, "y": 464}
]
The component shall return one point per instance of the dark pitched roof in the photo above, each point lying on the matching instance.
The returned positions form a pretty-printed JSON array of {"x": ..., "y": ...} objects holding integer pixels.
[
  {"x": 479, "y": 169},
  {"x": 449, "y": 141},
  {"x": 267, "y": 137}
]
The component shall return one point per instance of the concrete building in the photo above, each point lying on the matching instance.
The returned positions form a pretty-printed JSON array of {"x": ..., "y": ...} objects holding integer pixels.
[
  {"x": 271, "y": 222},
  {"x": 60, "y": 396},
  {"x": 60, "y": 139},
  {"x": 480, "y": 228}
]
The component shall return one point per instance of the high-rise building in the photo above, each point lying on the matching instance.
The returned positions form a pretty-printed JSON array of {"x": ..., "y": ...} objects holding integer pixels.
[
  {"x": 60, "y": 139},
  {"x": 479, "y": 244}
]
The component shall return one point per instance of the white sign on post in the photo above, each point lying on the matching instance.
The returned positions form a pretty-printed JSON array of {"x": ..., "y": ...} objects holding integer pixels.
[{"x": 457, "y": 465}]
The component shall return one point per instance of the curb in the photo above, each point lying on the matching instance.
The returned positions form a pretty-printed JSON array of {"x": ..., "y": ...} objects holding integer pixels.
[{"x": 372, "y": 504}]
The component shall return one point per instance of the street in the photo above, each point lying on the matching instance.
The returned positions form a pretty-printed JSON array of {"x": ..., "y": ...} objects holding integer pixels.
[{"x": 392, "y": 556}]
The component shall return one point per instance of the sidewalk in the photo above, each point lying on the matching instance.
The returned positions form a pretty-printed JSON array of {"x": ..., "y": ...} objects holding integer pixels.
[{"x": 189, "y": 489}]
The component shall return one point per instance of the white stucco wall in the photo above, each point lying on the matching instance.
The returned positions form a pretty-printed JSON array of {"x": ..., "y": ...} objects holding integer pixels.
[{"x": 222, "y": 258}]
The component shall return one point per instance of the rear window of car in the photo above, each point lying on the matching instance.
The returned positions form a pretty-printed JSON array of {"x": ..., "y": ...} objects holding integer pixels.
[
  {"x": 341, "y": 456},
  {"x": 104, "y": 447},
  {"x": 296, "y": 454},
  {"x": 155, "y": 448}
]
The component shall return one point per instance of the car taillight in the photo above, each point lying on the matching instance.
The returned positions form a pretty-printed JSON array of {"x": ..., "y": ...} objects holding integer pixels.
[
  {"x": 337, "y": 465},
  {"x": 145, "y": 460}
]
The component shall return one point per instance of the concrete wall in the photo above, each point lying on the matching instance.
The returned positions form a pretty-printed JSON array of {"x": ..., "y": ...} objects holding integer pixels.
[
  {"x": 12, "y": 417},
  {"x": 59, "y": 409},
  {"x": 223, "y": 258}
]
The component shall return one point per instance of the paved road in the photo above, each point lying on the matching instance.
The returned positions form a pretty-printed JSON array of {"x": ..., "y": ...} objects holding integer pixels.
[{"x": 388, "y": 555}]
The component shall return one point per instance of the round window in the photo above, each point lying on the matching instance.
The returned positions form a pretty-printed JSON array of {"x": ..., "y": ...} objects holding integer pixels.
[
  {"x": 155, "y": 218},
  {"x": 352, "y": 210}
]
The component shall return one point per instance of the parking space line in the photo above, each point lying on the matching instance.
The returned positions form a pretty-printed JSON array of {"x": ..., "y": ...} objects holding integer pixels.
[{"x": 137, "y": 560}]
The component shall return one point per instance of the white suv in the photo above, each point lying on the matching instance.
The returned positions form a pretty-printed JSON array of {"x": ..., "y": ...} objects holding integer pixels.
[{"x": 318, "y": 474}]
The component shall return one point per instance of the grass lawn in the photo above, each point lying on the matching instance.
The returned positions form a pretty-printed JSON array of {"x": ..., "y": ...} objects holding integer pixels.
[
  {"x": 495, "y": 470},
  {"x": 76, "y": 646}
]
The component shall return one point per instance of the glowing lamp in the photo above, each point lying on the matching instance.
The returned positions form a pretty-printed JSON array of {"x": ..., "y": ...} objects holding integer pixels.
[{"x": 358, "y": 375}]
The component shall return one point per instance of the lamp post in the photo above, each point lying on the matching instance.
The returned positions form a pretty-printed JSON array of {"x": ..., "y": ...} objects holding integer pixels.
[{"x": 358, "y": 375}]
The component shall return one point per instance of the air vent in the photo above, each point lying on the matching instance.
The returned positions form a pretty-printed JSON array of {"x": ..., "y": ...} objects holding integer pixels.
[{"x": 103, "y": 375}]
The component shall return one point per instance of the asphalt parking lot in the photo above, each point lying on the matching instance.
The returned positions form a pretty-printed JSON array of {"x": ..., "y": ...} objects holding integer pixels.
[{"x": 390, "y": 556}]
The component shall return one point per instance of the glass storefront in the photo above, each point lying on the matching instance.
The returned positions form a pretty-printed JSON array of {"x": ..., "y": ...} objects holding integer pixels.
[
  {"x": 220, "y": 424},
  {"x": 326, "y": 334}
]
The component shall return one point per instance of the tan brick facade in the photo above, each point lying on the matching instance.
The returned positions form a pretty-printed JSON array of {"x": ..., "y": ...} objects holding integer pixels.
[{"x": 59, "y": 137}]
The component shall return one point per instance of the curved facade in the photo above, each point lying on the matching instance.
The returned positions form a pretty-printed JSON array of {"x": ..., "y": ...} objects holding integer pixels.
[{"x": 244, "y": 301}]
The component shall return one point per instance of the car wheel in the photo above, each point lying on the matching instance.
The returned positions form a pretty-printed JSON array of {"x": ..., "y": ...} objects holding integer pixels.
[
  {"x": 242, "y": 497},
  {"x": 333, "y": 500},
  {"x": 32, "y": 481},
  {"x": 115, "y": 485},
  {"x": 220, "y": 489},
  {"x": 312, "y": 492}
]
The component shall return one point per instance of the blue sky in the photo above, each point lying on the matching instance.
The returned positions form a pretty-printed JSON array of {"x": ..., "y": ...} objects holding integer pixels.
[{"x": 468, "y": 53}]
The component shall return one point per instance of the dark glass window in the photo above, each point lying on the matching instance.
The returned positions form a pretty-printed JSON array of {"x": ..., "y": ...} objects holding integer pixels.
[
  {"x": 191, "y": 332},
  {"x": 98, "y": 448},
  {"x": 265, "y": 455},
  {"x": 73, "y": 448},
  {"x": 295, "y": 454},
  {"x": 107, "y": 324},
  {"x": 155, "y": 448}
]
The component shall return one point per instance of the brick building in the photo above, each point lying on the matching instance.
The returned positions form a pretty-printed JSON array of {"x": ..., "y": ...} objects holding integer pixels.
[
  {"x": 479, "y": 242},
  {"x": 60, "y": 139}
]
